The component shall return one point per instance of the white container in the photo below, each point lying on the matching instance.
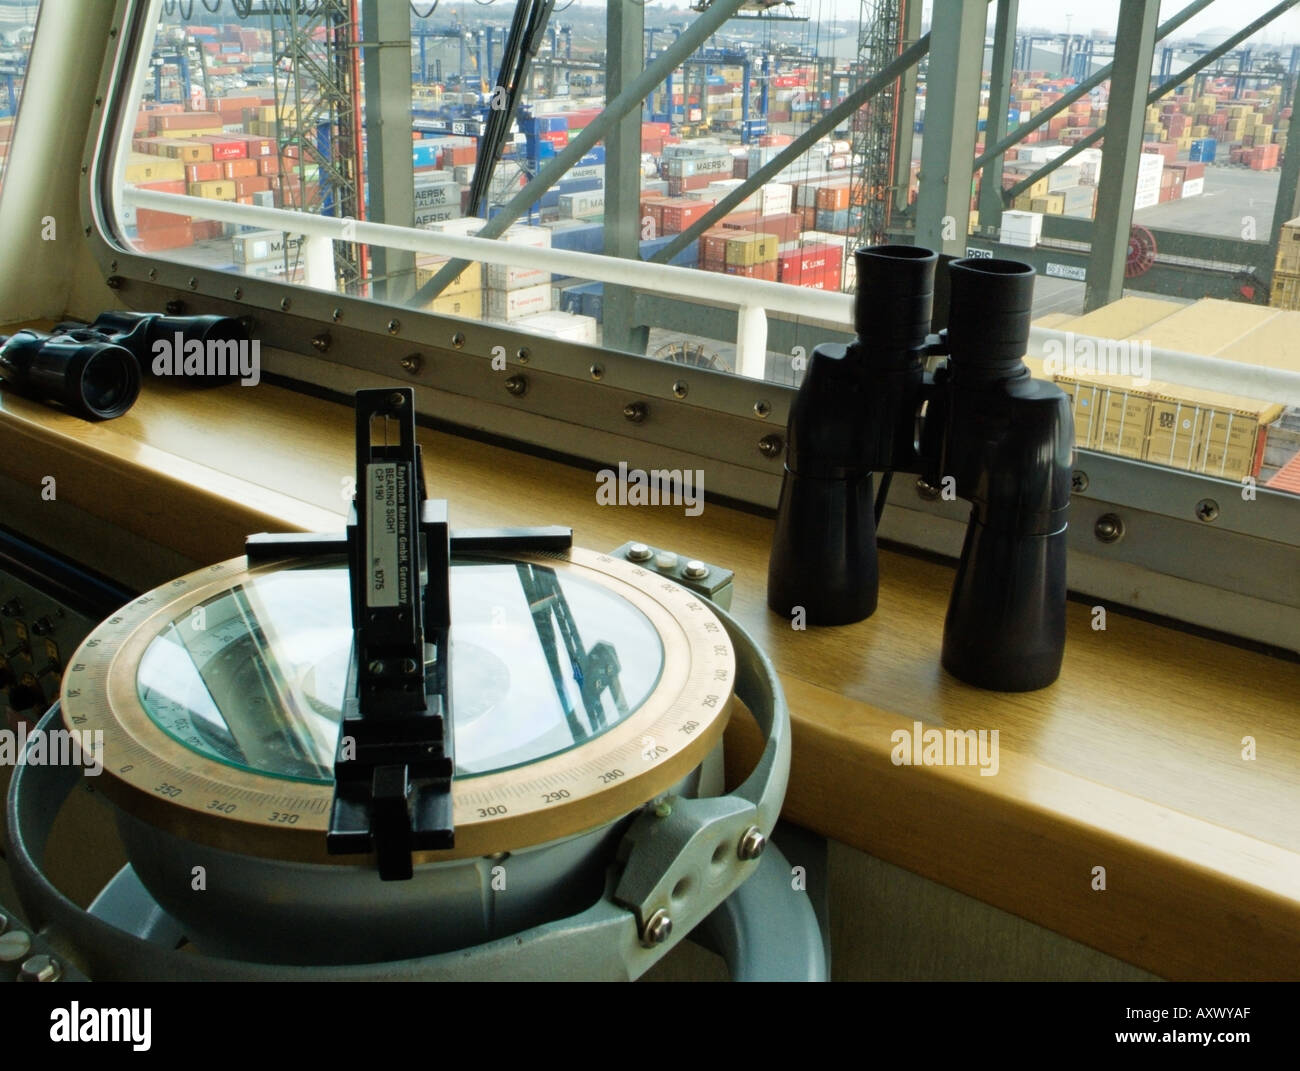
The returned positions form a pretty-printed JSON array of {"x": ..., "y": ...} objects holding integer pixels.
[
  {"x": 1146, "y": 198},
  {"x": 582, "y": 205},
  {"x": 1022, "y": 228},
  {"x": 511, "y": 305},
  {"x": 509, "y": 277},
  {"x": 1193, "y": 187},
  {"x": 775, "y": 198},
  {"x": 257, "y": 247},
  {"x": 563, "y": 325}
]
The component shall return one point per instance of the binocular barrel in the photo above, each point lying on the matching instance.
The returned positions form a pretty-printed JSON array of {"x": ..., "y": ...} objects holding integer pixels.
[
  {"x": 1002, "y": 438},
  {"x": 94, "y": 379}
]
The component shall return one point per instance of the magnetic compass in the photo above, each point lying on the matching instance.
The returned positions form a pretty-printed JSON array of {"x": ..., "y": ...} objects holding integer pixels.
[{"x": 417, "y": 752}]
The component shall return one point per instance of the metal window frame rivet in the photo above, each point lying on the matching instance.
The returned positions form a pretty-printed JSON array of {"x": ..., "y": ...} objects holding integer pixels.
[
  {"x": 927, "y": 491},
  {"x": 284, "y": 304},
  {"x": 597, "y": 372},
  {"x": 752, "y": 843},
  {"x": 771, "y": 445},
  {"x": 113, "y": 282},
  {"x": 1207, "y": 510},
  {"x": 40, "y": 968},
  {"x": 458, "y": 339},
  {"x": 517, "y": 385},
  {"x": 1078, "y": 481},
  {"x": 680, "y": 389},
  {"x": 394, "y": 326},
  {"x": 194, "y": 282},
  {"x": 320, "y": 343},
  {"x": 657, "y": 929},
  {"x": 762, "y": 409},
  {"x": 336, "y": 315},
  {"x": 238, "y": 293},
  {"x": 695, "y": 570},
  {"x": 412, "y": 363},
  {"x": 1109, "y": 528},
  {"x": 377, "y": 668},
  {"x": 639, "y": 552},
  {"x": 153, "y": 273},
  {"x": 636, "y": 412},
  {"x": 522, "y": 355}
]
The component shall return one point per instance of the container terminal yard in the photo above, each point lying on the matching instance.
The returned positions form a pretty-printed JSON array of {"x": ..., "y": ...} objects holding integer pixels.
[{"x": 272, "y": 104}]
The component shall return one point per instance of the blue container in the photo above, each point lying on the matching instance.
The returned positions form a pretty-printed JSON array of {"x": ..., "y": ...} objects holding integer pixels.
[
  {"x": 1203, "y": 150},
  {"x": 424, "y": 153},
  {"x": 595, "y": 156},
  {"x": 583, "y": 238},
  {"x": 587, "y": 299},
  {"x": 829, "y": 220},
  {"x": 685, "y": 258}
]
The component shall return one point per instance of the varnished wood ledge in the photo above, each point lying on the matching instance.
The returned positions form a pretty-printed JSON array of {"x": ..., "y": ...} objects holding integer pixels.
[{"x": 1131, "y": 762}]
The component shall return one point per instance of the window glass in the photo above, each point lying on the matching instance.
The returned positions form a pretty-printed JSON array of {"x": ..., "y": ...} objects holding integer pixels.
[
  {"x": 17, "y": 31},
  {"x": 288, "y": 104}
]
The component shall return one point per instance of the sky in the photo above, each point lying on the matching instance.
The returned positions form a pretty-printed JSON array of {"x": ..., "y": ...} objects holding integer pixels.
[{"x": 1224, "y": 15}]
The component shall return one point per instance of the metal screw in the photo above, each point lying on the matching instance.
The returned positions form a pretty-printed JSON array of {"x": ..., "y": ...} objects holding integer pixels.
[
  {"x": 153, "y": 273},
  {"x": 336, "y": 315},
  {"x": 394, "y": 326},
  {"x": 174, "y": 307},
  {"x": 284, "y": 304},
  {"x": 517, "y": 385},
  {"x": 4, "y": 922},
  {"x": 458, "y": 339},
  {"x": 771, "y": 445},
  {"x": 1207, "y": 509},
  {"x": 752, "y": 843},
  {"x": 762, "y": 409},
  {"x": 14, "y": 946},
  {"x": 639, "y": 552},
  {"x": 194, "y": 283},
  {"x": 239, "y": 292},
  {"x": 113, "y": 282},
  {"x": 695, "y": 570},
  {"x": 926, "y": 490},
  {"x": 413, "y": 363},
  {"x": 657, "y": 929},
  {"x": 397, "y": 399},
  {"x": 680, "y": 388},
  {"x": 596, "y": 371},
  {"x": 1109, "y": 528},
  {"x": 408, "y": 665},
  {"x": 112, "y": 265},
  {"x": 321, "y": 342},
  {"x": 522, "y": 355},
  {"x": 377, "y": 668},
  {"x": 1078, "y": 481},
  {"x": 663, "y": 809},
  {"x": 635, "y": 412},
  {"x": 40, "y": 968}
]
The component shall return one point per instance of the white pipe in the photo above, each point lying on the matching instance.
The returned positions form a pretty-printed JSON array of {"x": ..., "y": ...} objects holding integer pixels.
[
  {"x": 318, "y": 261},
  {"x": 1257, "y": 382},
  {"x": 660, "y": 278},
  {"x": 751, "y": 342}
]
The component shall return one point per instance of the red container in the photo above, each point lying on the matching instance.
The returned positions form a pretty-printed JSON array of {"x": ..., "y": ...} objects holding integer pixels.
[
  {"x": 165, "y": 238},
  {"x": 238, "y": 169},
  {"x": 246, "y": 187},
  {"x": 268, "y": 165},
  {"x": 205, "y": 172},
  {"x": 150, "y": 219},
  {"x": 225, "y": 149},
  {"x": 166, "y": 186},
  {"x": 676, "y": 217}
]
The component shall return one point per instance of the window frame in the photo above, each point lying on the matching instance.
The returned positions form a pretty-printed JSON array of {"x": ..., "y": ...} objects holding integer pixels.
[{"x": 1168, "y": 562}]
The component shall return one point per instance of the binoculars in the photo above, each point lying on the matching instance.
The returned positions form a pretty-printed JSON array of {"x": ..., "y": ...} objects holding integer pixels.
[
  {"x": 94, "y": 370},
  {"x": 978, "y": 427}
]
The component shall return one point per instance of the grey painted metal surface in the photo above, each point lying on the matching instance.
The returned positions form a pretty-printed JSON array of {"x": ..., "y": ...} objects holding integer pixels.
[
  {"x": 387, "y": 76},
  {"x": 624, "y": 45},
  {"x": 1135, "y": 42},
  {"x": 1000, "y": 71},
  {"x": 954, "y": 76}
]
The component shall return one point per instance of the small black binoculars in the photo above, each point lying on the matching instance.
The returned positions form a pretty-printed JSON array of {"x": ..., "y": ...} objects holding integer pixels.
[
  {"x": 94, "y": 370},
  {"x": 976, "y": 427}
]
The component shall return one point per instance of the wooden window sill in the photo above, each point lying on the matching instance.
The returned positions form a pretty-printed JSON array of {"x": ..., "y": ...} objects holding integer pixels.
[{"x": 1132, "y": 761}]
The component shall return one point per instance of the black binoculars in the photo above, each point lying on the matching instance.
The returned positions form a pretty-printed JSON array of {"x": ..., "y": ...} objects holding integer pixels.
[
  {"x": 94, "y": 370},
  {"x": 977, "y": 427}
]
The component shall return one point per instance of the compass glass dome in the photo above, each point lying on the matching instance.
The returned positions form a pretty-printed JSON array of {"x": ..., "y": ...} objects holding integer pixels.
[{"x": 541, "y": 661}]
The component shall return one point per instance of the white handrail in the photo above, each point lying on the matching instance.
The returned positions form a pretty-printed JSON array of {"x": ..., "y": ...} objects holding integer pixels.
[{"x": 753, "y": 297}]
